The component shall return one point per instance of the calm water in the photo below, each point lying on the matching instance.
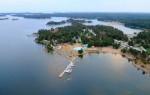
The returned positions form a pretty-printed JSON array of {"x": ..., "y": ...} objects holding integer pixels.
[
  {"x": 26, "y": 69},
  {"x": 119, "y": 26}
]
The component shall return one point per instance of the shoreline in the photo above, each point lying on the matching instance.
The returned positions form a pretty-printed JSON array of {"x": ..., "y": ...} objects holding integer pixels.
[
  {"x": 67, "y": 52},
  {"x": 140, "y": 65}
]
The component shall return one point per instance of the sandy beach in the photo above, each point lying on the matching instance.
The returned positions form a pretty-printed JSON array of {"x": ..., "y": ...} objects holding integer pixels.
[{"x": 69, "y": 53}]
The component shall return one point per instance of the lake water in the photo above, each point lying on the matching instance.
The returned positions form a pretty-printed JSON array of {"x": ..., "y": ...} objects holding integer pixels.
[
  {"x": 26, "y": 69},
  {"x": 119, "y": 26}
]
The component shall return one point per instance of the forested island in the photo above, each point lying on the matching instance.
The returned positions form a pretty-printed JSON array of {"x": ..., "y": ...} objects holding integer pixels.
[
  {"x": 71, "y": 21},
  {"x": 133, "y": 20},
  {"x": 33, "y": 15},
  {"x": 97, "y": 36},
  {"x": 4, "y": 18},
  {"x": 56, "y": 23},
  {"x": 15, "y": 19}
]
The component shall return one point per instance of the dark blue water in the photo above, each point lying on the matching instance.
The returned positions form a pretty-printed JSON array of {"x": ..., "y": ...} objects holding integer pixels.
[{"x": 26, "y": 69}]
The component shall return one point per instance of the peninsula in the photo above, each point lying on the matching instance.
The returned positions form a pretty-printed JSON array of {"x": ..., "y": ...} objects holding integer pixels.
[{"x": 79, "y": 39}]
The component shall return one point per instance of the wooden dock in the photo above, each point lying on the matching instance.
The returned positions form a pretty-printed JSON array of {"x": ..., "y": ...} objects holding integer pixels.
[{"x": 62, "y": 74}]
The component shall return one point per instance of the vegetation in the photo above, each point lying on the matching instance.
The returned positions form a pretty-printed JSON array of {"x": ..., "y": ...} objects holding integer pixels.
[
  {"x": 72, "y": 21},
  {"x": 49, "y": 47},
  {"x": 124, "y": 50},
  {"x": 116, "y": 46},
  {"x": 143, "y": 39},
  {"x": 92, "y": 35},
  {"x": 105, "y": 35},
  {"x": 137, "y": 23},
  {"x": 134, "y": 20},
  {"x": 33, "y": 15},
  {"x": 131, "y": 43},
  {"x": 139, "y": 55},
  {"x": 56, "y": 23},
  {"x": 100, "y": 35},
  {"x": 4, "y": 18},
  {"x": 80, "y": 52},
  {"x": 140, "y": 47}
]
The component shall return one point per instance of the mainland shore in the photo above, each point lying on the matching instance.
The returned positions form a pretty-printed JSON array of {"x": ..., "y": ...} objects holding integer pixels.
[{"x": 68, "y": 52}]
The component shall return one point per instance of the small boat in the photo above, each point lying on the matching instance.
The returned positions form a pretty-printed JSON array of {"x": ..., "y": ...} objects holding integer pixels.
[
  {"x": 72, "y": 65},
  {"x": 68, "y": 71}
]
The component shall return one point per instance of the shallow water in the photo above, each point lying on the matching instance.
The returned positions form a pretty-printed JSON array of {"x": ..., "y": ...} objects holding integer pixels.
[{"x": 26, "y": 69}]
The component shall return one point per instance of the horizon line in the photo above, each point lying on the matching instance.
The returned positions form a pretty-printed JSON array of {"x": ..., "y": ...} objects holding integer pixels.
[{"x": 68, "y": 12}]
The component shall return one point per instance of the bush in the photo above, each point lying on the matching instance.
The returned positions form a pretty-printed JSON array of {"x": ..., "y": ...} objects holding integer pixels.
[
  {"x": 49, "y": 47},
  {"x": 80, "y": 51},
  {"x": 124, "y": 50},
  {"x": 116, "y": 46}
]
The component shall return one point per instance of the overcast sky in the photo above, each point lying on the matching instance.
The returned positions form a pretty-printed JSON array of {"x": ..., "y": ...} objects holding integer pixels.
[{"x": 74, "y": 6}]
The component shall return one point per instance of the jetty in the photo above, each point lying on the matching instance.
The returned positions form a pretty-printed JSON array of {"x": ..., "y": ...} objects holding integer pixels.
[{"x": 68, "y": 69}]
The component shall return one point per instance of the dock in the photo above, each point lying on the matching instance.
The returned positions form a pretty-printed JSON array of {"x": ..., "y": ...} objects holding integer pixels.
[{"x": 67, "y": 70}]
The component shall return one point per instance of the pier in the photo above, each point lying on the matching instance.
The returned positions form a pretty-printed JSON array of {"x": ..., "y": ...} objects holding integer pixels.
[{"x": 67, "y": 70}]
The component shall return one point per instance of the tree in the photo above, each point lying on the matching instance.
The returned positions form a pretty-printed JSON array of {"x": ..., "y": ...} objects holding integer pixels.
[
  {"x": 124, "y": 50},
  {"x": 49, "y": 47},
  {"x": 131, "y": 43},
  {"x": 144, "y": 54},
  {"x": 116, "y": 46},
  {"x": 80, "y": 51}
]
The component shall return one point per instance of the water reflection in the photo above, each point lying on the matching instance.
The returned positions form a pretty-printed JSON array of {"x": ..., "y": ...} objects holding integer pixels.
[
  {"x": 81, "y": 56},
  {"x": 26, "y": 69},
  {"x": 111, "y": 71}
]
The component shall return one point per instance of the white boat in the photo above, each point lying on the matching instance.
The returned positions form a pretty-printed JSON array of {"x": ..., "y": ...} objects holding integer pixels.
[
  {"x": 72, "y": 65},
  {"x": 68, "y": 71}
]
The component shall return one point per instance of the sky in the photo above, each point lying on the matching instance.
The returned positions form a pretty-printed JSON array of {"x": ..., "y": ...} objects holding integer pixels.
[{"x": 49, "y": 6}]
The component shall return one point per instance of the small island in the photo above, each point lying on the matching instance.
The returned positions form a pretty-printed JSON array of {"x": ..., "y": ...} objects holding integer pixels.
[
  {"x": 4, "y": 18},
  {"x": 56, "y": 23},
  {"x": 139, "y": 21},
  {"x": 33, "y": 16},
  {"x": 15, "y": 19},
  {"x": 71, "y": 21}
]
